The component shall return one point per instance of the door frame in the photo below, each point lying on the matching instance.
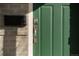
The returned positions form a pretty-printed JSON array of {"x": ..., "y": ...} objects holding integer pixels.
[{"x": 30, "y": 29}]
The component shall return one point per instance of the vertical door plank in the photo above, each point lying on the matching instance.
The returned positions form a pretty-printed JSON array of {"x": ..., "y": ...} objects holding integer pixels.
[{"x": 66, "y": 29}]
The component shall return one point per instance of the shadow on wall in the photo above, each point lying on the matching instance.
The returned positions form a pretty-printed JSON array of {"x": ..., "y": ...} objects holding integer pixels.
[
  {"x": 9, "y": 38},
  {"x": 37, "y": 5},
  {"x": 9, "y": 41}
]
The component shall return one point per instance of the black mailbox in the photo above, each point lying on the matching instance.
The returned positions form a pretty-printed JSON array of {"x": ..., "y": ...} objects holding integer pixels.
[{"x": 15, "y": 20}]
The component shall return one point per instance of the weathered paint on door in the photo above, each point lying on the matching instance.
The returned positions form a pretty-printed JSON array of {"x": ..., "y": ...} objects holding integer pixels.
[{"x": 53, "y": 30}]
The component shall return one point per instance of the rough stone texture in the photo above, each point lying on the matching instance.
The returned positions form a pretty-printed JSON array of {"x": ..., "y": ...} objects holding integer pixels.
[
  {"x": 13, "y": 40},
  {"x": 18, "y": 9},
  {"x": 21, "y": 43},
  {"x": 1, "y": 45},
  {"x": 22, "y": 31}
]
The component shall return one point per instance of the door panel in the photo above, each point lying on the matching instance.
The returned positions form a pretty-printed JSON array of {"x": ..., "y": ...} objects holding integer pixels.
[
  {"x": 66, "y": 29},
  {"x": 53, "y": 30},
  {"x": 58, "y": 27},
  {"x": 46, "y": 30}
]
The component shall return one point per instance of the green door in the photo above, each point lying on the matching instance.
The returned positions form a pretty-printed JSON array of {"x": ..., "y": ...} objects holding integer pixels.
[{"x": 52, "y": 29}]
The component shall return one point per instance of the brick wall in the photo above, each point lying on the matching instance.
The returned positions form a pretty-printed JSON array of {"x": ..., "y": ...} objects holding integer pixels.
[{"x": 13, "y": 40}]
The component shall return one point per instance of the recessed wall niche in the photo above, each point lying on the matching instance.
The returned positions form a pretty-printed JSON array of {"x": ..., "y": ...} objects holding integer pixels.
[{"x": 14, "y": 20}]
